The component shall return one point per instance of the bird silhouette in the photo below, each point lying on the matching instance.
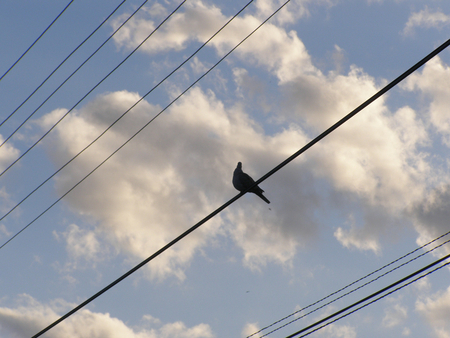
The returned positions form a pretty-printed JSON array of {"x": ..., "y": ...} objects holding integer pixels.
[{"x": 242, "y": 181}]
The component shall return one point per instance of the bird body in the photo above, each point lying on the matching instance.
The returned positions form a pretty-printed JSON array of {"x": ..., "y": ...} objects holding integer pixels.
[{"x": 242, "y": 181}]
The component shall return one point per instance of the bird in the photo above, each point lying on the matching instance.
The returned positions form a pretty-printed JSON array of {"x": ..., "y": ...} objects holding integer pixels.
[{"x": 242, "y": 181}]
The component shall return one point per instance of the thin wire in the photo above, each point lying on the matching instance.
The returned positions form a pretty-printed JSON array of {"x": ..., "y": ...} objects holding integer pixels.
[
  {"x": 92, "y": 89},
  {"x": 372, "y": 296},
  {"x": 53, "y": 72},
  {"x": 35, "y": 41},
  {"x": 98, "y": 137},
  {"x": 225, "y": 205},
  {"x": 351, "y": 291},
  {"x": 76, "y": 70}
]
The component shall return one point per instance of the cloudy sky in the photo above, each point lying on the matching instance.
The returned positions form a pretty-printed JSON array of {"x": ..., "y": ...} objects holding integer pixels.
[{"x": 372, "y": 191}]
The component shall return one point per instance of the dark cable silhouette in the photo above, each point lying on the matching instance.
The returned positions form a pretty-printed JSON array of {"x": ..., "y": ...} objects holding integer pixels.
[{"x": 35, "y": 41}]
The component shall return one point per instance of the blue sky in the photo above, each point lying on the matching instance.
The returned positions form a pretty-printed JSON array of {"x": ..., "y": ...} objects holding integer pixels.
[{"x": 372, "y": 191}]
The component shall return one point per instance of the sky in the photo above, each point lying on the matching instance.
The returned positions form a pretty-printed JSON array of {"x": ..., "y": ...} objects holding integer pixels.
[{"x": 371, "y": 192}]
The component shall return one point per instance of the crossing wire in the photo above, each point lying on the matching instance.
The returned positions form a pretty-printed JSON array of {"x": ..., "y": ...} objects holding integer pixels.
[
  {"x": 120, "y": 117},
  {"x": 35, "y": 41},
  {"x": 53, "y": 72},
  {"x": 353, "y": 290},
  {"x": 270, "y": 173},
  {"x": 375, "y": 294}
]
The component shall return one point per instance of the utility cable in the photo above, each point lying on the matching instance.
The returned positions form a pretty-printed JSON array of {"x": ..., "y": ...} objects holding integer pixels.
[
  {"x": 270, "y": 173},
  {"x": 91, "y": 90},
  {"x": 53, "y": 72},
  {"x": 351, "y": 291},
  {"x": 136, "y": 103},
  {"x": 375, "y": 294},
  {"x": 35, "y": 41}
]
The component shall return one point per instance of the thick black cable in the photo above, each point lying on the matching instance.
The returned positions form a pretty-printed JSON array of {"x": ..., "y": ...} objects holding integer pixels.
[
  {"x": 120, "y": 117},
  {"x": 375, "y": 294},
  {"x": 352, "y": 283},
  {"x": 377, "y": 299},
  {"x": 270, "y": 173},
  {"x": 53, "y": 72},
  {"x": 91, "y": 90},
  {"x": 347, "y": 293},
  {"x": 35, "y": 41}
]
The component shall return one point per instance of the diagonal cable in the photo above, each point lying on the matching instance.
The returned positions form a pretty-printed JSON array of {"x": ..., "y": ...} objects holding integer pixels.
[
  {"x": 270, "y": 173},
  {"x": 53, "y": 72},
  {"x": 92, "y": 89},
  {"x": 375, "y": 294},
  {"x": 349, "y": 292},
  {"x": 35, "y": 41},
  {"x": 104, "y": 132}
]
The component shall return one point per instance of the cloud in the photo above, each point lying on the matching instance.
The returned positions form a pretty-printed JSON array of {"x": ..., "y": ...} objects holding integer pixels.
[
  {"x": 250, "y": 329},
  {"x": 31, "y": 316},
  {"x": 185, "y": 163},
  {"x": 436, "y": 309},
  {"x": 430, "y": 213},
  {"x": 292, "y": 12},
  {"x": 8, "y": 154},
  {"x": 83, "y": 246},
  {"x": 394, "y": 315},
  {"x": 426, "y": 19},
  {"x": 431, "y": 83},
  {"x": 175, "y": 173},
  {"x": 203, "y": 21},
  {"x": 338, "y": 331}
]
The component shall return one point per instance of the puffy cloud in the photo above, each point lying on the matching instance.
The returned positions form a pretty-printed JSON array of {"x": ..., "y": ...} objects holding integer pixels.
[
  {"x": 430, "y": 213},
  {"x": 31, "y": 316},
  {"x": 395, "y": 315},
  {"x": 338, "y": 331},
  {"x": 293, "y": 11},
  {"x": 8, "y": 153},
  {"x": 374, "y": 156},
  {"x": 426, "y": 19},
  {"x": 436, "y": 309},
  {"x": 203, "y": 20},
  {"x": 83, "y": 246},
  {"x": 175, "y": 173},
  {"x": 250, "y": 329},
  {"x": 432, "y": 83}
]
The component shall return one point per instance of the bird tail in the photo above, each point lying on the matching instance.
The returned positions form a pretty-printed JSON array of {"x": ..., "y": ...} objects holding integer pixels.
[{"x": 263, "y": 197}]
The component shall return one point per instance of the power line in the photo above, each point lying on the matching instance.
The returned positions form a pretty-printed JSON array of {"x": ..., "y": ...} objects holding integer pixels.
[
  {"x": 35, "y": 41},
  {"x": 93, "y": 88},
  {"x": 142, "y": 128},
  {"x": 270, "y": 173},
  {"x": 53, "y": 72},
  {"x": 353, "y": 290},
  {"x": 375, "y": 294}
]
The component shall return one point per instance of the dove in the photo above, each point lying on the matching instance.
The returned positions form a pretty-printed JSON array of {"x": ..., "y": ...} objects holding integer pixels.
[{"x": 242, "y": 181}]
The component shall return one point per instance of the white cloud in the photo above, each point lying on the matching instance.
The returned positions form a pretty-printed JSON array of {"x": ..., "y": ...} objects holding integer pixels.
[
  {"x": 8, "y": 154},
  {"x": 250, "y": 329},
  {"x": 432, "y": 83},
  {"x": 83, "y": 246},
  {"x": 357, "y": 237},
  {"x": 339, "y": 331},
  {"x": 31, "y": 316},
  {"x": 203, "y": 20},
  {"x": 395, "y": 315},
  {"x": 426, "y": 19},
  {"x": 293, "y": 11},
  {"x": 374, "y": 156},
  {"x": 175, "y": 173},
  {"x": 436, "y": 309}
]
